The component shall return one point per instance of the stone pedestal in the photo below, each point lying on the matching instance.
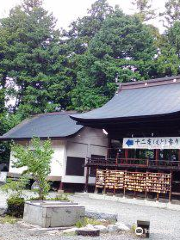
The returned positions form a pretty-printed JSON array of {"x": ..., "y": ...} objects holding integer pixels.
[{"x": 52, "y": 213}]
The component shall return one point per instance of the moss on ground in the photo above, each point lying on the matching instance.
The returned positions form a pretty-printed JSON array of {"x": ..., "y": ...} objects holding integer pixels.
[{"x": 8, "y": 219}]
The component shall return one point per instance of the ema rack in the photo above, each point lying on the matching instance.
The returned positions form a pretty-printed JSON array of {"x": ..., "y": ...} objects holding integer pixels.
[{"x": 159, "y": 183}]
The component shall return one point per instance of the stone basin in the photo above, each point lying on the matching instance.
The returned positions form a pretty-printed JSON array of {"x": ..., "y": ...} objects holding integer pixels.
[{"x": 53, "y": 213}]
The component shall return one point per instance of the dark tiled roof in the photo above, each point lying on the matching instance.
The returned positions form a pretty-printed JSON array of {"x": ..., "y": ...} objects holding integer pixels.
[
  {"x": 138, "y": 100},
  {"x": 54, "y": 125}
]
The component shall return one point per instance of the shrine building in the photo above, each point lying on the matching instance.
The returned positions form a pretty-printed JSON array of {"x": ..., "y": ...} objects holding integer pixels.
[{"x": 142, "y": 122}]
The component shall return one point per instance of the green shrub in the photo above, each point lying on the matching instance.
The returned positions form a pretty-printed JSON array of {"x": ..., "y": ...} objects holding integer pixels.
[
  {"x": 85, "y": 221},
  {"x": 8, "y": 219},
  {"x": 15, "y": 206},
  {"x": 80, "y": 224},
  {"x": 61, "y": 197},
  {"x": 15, "y": 202}
]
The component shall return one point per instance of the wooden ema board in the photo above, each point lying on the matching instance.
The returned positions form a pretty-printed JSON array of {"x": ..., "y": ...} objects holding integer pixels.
[
  {"x": 134, "y": 181},
  {"x": 100, "y": 178}
]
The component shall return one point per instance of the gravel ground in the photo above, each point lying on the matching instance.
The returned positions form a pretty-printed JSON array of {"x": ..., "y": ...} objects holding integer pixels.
[
  {"x": 19, "y": 232},
  {"x": 165, "y": 224}
]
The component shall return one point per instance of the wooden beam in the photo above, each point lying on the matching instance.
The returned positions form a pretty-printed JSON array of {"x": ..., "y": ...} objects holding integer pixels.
[
  {"x": 126, "y": 154},
  {"x": 117, "y": 156},
  {"x": 61, "y": 186},
  {"x": 170, "y": 192},
  {"x": 179, "y": 157},
  {"x": 157, "y": 156},
  {"x": 87, "y": 180}
]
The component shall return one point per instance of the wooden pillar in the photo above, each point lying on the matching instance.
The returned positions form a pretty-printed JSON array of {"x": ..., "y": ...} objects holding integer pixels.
[
  {"x": 109, "y": 148},
  {"x": 61, "y": 186},
  {"x": 117, "y": 156},
  {"x": 146, "y": 193},
  {"x": 170, "y": 192},
  {"x": 157, "y": 196},
  {"x": 126, "y": 154},
  {"x": 179, "y": 157},
  {"x": 87, "y": 180},
  {"x": 157, "y": 156},
  {"x": 96, "y": 190}
]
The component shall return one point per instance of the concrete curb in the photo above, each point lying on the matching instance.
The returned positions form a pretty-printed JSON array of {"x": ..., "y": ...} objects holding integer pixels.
[
  {"x": 141, "y": 202},
  {"x": 106, "y": 216}
]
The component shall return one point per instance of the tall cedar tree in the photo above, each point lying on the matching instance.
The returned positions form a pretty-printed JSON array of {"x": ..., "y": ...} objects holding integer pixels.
[
  {"x": 84, "y": 29},
  {"x": 123, "y": 47},
  {"x": 168, "y": 61},
  {"x": 171, "y": 13},
  {"x": 34, "y": 59},
  {"x": 144, "y": 9}
]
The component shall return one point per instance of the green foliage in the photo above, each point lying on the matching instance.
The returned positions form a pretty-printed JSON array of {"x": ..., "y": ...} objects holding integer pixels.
[
  {"x": 36, "y": 157},
  {"x": 15, "y": 187},
  {"x": 123, "y": 37},
  {"x": 168, "y": 61},
  {"x": 123, "y": 47},
  {"x": 15, "y": 201},
  {"x": 60, "y": 197},
  {"x": 173, "y": 35},
  {"x": 84, "y": 29},
  {"x": 7, "y": 121},
  {"x": 85, "y": 221},
  {"x": 34, "y": 59},
  {"x": 48, "y": 70},
  {"x": 15, "y": 206},
  {"x": 8, "y": 219},
  {"x": 171, "y": 13},
  {"x": 144, "y": 9},
  {"x": 167, "y": 64}
]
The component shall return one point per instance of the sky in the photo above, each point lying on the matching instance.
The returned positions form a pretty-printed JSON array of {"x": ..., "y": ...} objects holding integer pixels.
[{"x": 65, "y": 11}]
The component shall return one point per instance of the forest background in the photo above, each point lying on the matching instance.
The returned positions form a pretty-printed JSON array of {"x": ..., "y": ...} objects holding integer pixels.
[{"x": 46, "y": 69}]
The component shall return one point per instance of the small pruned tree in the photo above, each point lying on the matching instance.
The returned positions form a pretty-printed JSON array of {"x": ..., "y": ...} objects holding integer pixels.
[{"x": 36, "y": 157}]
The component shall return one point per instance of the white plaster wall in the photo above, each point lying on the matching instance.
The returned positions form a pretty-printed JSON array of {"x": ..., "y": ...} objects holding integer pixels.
[
  {"x": 56, "y": 162},
  {"x": 57, "y": 158},
  {"x": 87, "y": 142}
]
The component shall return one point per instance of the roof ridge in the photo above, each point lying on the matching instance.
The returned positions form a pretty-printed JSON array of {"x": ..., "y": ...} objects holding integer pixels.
[
  {"x": 54, "y": 113},
  {"x": 149, "y": 83}
]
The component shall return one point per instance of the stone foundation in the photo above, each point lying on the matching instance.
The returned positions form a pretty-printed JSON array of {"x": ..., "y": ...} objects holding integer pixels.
[{"x": 52, "y": 213}]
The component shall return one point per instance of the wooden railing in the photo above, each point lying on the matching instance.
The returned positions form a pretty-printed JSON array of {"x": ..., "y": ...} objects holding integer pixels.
[{"x": 132, "y": 162}]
